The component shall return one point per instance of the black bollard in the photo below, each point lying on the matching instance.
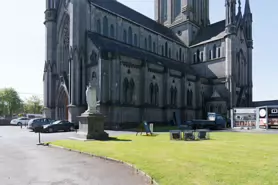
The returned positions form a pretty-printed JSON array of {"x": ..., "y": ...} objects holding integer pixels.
[
  {"x": 39, "y": 137},
  {"x": 39, "y": 130}
]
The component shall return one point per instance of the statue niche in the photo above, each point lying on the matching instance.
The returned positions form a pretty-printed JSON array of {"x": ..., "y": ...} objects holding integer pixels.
[{"x": 93, "y": 58}]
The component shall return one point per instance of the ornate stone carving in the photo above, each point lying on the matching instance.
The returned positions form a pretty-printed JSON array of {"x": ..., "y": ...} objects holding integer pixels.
[
  {"x": 94, "y": 75},
  {"x": 175, "y": 73},
  {"x": 66, "y": 31},
  {"x": 50, "y": 15},
  {"x": 66, "y": 3},
  {"x": 93, "y": 58}
]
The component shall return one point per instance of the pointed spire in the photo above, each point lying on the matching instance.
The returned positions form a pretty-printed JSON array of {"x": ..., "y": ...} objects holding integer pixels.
[
  {"x": 247, "y": 7},
  {"x": 239, "y": 6}
]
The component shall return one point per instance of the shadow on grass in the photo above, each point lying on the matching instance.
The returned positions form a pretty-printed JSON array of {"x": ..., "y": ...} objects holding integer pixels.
[
  {"x": 117, "y": 139},
  {"x": 153, "y": 135}
]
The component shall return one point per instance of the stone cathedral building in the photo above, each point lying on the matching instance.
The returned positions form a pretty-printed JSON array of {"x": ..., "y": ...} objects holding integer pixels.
[{"x": 178, "y": 65}]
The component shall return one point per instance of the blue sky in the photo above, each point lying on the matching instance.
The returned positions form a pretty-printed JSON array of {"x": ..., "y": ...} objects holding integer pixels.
[{"x": 22, "y": 39}]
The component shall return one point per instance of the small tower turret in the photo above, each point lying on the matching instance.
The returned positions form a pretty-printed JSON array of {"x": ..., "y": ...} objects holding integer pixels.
[
  {"x": 248, "y": 21},
  {"x": 230, "y": 16},
  {"x": 50, "y": 57},
  {"x": 230, "y": 50}
]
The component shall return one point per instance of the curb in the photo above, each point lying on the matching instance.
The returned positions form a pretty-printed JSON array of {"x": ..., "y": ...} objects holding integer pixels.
[{"x": 136, "y": 170}]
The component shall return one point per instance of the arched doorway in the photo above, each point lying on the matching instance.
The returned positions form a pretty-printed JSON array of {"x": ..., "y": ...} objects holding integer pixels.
[{"x": 62, "y": 103}]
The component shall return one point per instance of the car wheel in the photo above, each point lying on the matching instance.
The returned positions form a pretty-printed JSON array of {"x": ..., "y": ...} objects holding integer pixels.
[
  {"x": 50, "y": 130},
  {"x": 71, "y": 128},
  {"x": 19, "y": 124}
]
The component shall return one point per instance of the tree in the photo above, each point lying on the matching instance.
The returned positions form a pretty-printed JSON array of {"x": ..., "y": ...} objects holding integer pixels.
[
  {"x": 33, "y": 105},
  {"x": 10, "y": 101},
  {"x": 3, "y": 106}
]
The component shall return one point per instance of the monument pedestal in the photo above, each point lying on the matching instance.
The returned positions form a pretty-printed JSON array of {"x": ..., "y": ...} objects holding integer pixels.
[
  {"x": 92, "y": 126},
  {"x": 73, "y": 113}
]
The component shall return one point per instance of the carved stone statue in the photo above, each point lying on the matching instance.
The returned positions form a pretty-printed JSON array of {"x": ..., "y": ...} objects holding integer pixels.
[
  {"x": 91, "y": 122},
  {"x": 91, "y": 99}
]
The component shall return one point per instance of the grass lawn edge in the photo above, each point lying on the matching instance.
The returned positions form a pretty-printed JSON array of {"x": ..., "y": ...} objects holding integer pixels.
[{"x": 133, "y": 167}]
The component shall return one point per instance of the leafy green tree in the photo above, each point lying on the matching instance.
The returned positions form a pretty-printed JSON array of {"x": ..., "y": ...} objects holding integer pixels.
[
  {"x": 33, "y": 105},
  {"x": 3, "y": 106},
  {"x": 10, "y": 101}
]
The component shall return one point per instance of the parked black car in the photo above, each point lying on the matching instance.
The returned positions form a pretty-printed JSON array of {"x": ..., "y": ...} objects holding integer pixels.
[
  {"x": 61, "y": 125},
  {"x": 33, "y": 124}
]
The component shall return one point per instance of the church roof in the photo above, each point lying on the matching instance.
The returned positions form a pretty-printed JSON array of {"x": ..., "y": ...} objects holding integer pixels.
[
  {"x": 210, "y": 33},
  {"x": 128, "y": 13},
  {"x": 265, "y": 103},
  {"x": 108, "y": 44}
]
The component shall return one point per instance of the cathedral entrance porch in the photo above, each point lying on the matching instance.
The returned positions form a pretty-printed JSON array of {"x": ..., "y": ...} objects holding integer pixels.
[{"x": 62, "y": 104}]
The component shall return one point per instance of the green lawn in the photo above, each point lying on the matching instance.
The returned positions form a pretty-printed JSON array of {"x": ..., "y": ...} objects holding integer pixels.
[{"x": 228, "y": 158}]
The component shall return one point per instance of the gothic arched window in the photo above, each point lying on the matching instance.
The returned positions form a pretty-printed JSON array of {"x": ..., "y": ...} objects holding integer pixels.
[
  {"x": 211, "y": 108},
  {"x": 124, "y": 36},
  {"x": 191, "y": 98},
  {"x": 203, "y": 99},
  {"x": 65, "y": 53},
  {"x": 105, "y": 26},
  {"x": 180, "y": 54},
  {"x": 135, "y": 40},
  {"x": 164, "y": 10},
  {"x": 188, "y": 97},
  {"x": 198, "y": 55},
  {"x": 201, "y": 56},
  {"x": 112, "y": 31},
  {"x": 219, "y": 52},
  {"x": 154, "y": 47},
  {"x": 172, "y": 95},
  {"x": 151, "y": 93},
  {"x": 131, "y": 90},
  {"x": 156, "y": 92},
  {"x": 129, "y": 35},
  {"x": 220, "y": 109},
  {"x": 183, "y": 57},
  {"x": 150, "y": 42},
  {"x": 166, "y": 49},
  {"x": 177, "y": 8},
  {"x": 210, "y": 55},
  {"x": 194, "y": 58},
  {"x": 98, "y": 27},
  {"x": 175, "y": 96},
  {"x": 214, "y": 51},
  {"x": 125, "y": 90},
  {"x": 146, "y": 44},
  {"x": 194, "y": 7}
]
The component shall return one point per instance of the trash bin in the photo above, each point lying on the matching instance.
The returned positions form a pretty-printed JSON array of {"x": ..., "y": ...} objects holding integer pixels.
[{"x": 151, "y": 127}]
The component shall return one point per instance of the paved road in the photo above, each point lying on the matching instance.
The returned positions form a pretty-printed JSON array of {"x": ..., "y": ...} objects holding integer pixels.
[{"x": 22, "y": 162}]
